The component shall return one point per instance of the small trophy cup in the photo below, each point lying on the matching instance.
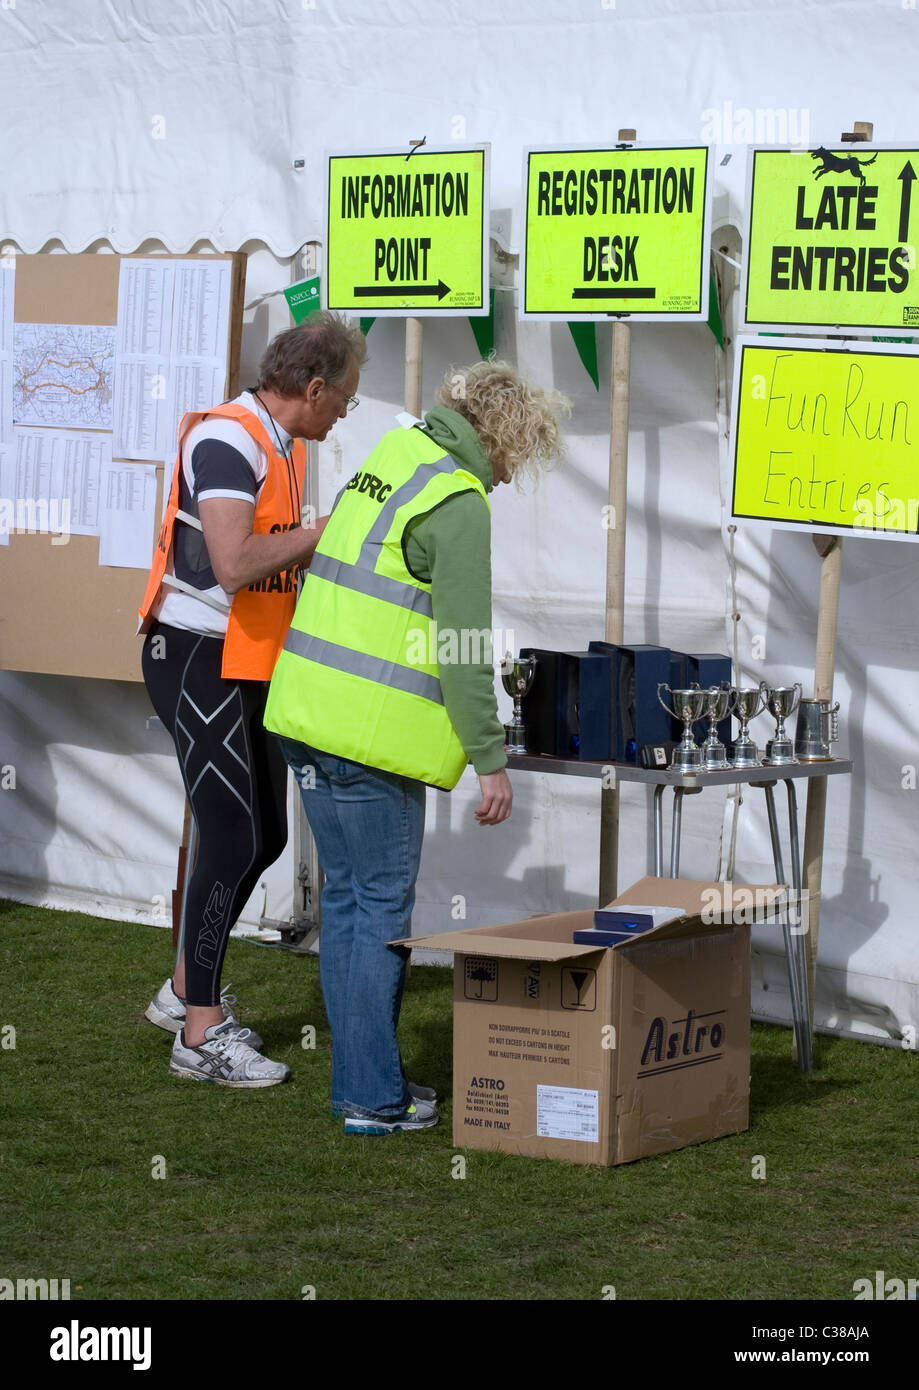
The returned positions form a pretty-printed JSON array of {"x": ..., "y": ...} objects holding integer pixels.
[
  {"x": 687, "y": 705},
  {"x": 749, "y": 702},
  {"x": 718, "y": 704},
  {"x": 517, "y": 677},
  {"x": 781, "y": 701}
]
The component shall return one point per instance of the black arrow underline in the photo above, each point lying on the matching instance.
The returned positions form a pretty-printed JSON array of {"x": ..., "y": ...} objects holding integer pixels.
[
  {"x": 439, "y": 289},
  {"x": 635, "y": 292}
]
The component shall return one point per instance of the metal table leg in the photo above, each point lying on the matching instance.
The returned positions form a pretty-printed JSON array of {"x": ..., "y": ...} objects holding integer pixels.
[
  {"x": 659, "y": 830},
  {"x": 675, "y": 832},
  {"x": 805, "y": 1058},
  {"x": 798, "y": 1001}
]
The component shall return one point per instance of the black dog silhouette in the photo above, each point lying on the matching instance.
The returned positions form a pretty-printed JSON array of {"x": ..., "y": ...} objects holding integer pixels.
[{"x": 840, "y": 164}]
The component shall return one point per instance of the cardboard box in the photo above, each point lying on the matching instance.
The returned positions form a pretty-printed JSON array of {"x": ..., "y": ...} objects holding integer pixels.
[{"x": 602, "y": 1056}]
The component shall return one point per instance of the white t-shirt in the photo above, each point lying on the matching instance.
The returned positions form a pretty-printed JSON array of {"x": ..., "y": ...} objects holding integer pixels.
[{"x": 219, "y": 459}]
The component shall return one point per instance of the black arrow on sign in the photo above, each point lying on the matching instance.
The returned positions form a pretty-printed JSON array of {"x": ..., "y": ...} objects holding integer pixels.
[
  {"x": 906, "y": 174},
  {"x": 618, "y": 293},
  {"x": 440, "y": 289}
]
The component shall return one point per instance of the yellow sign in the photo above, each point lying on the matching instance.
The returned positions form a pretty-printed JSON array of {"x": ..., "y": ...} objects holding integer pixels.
[
  {"x": 613, "y": 233},
  {"x": 827, "y": 439},
  {"x": 831, "y": 239},
  {"x": 406, "y": 234}
]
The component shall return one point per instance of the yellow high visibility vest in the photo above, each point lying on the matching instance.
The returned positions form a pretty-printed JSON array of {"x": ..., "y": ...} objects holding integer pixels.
[{"x": 357, "y": 675}]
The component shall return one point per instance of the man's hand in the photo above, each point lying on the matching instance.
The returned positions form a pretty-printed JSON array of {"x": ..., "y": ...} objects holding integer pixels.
[{"x": 497, "y": 798}]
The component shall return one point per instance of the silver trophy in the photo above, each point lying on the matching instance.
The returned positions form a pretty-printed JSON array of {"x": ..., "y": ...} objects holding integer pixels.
[
  {"x": 781, "y": 701},
  {"x": 517, "y": 677},
  {"x": 718, "y": 704},
  {"x": 687, "y": 706},
  {"x": 749, "y": 702},
  {"x": 818, "y": 727}
]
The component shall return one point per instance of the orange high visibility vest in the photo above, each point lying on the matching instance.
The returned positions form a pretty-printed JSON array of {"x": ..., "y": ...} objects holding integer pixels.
[{"x": 259, "y": 614}]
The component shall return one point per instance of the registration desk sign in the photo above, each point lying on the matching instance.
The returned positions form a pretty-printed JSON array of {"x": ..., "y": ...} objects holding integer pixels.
[
  {"x": 831, "y": 239},
  {"x": 826, "y": 438},
  {"x": 616, "y": 233},
  {"x": 407, "y": 233}
]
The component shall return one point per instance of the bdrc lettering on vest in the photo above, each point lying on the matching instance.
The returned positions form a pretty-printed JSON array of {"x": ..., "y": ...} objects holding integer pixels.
[
  {"x": 372, "y": 485},
  {"x": 694, "y": 1043},
  {"x": 286, "y": 581}
]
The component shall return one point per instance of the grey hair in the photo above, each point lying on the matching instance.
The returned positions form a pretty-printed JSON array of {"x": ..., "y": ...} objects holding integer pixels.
[{"x": 325, "y": 345}]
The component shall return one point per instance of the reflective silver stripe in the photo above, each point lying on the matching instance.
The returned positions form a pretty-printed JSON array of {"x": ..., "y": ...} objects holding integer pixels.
[
  {"x": 415, "y": 484},
  {"x": 189, "y": 519},
  {"x": 372, "y": 668},
  {"x": 367, "y": 581}
]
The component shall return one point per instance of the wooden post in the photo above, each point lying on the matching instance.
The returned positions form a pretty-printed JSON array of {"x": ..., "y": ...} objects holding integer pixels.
[
  {"x": 615, "y": 567},
  {"x": 830, "y": 551},
  {"x": 413, "y": 366}
]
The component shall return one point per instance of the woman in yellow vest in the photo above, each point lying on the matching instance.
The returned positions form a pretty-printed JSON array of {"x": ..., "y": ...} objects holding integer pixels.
[
  {"x": 385, "y": 684},
  {"x": 218, "y": 603}
]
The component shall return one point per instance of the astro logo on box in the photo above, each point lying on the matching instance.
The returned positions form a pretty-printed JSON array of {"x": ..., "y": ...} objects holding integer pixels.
[
  {"x": 691, "y": 1044},
  {"x": 480, "y": 979}
]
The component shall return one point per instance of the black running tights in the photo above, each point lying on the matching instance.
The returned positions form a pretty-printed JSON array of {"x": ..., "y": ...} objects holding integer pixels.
[{"x": 236, "y": 782}]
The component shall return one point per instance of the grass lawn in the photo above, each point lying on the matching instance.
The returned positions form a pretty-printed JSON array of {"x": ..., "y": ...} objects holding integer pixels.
[{"x": 263, "y": 1194}]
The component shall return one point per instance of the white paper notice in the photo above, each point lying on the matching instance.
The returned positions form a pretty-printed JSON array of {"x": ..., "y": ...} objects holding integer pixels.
[
  {"x": 7, "y": 301},
  {"x": 191, "y": 387},
  {"x": 55, "y": 480},
  {"x": 201, "y": 310},
  {"x": 563, "y": 1112},
  {"x": 145, "y": 290},
  {"x": 145, "y": 293},
  {"x": 7, "y": 500},
  {"x": 128, "y": 515}
]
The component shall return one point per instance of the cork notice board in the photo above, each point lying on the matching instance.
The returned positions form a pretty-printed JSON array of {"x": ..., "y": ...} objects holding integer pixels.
[{"x": 61, "y": 612}]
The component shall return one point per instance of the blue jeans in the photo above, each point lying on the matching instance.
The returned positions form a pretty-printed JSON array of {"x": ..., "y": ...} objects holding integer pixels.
[{"x": 368, "y": 827}]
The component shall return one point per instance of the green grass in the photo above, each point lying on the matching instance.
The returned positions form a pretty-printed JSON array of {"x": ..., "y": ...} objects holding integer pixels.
[{"x": 264, "y": 1194}]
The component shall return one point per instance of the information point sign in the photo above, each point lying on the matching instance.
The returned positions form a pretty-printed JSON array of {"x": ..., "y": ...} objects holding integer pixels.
[
  {"x": 831, "y": 239},
  {"x": 616, "y": 233},
  {"x": 824, "y": 438},
  {"x": 407, "y": 233}
]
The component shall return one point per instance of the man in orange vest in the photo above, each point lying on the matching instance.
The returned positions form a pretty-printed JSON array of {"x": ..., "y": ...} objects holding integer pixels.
[{"x": 218, "y": 604}]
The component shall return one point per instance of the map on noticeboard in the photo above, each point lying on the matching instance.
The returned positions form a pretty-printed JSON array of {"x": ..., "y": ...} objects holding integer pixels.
[
  {"x": 823, "y": 437},
  {"x": 63, "y": 375},
  {"x": 616, "y": 233},
  {"x": 407, "y": 233},
  {"x": 831, "y": 239}
]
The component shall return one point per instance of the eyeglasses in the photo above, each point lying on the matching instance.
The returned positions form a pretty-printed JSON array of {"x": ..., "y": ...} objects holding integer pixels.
[{"x": 353, "y": 401}]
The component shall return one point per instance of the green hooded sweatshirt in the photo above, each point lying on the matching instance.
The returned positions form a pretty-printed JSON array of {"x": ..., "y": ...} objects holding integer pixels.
[{"x": 450, "y": 548}]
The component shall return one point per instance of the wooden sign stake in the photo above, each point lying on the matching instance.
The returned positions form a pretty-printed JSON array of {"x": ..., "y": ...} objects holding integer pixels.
[
  {"x": 615, "y": 566},
  {"x": 413, "y": 346},
  {"x": 830, "y": 551}
]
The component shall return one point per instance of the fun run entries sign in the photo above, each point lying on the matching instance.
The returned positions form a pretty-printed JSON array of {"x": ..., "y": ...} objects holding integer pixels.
[
  {"x": 831, "y": 239},
  {"x": 620, "y": 233},
  {"x": 826, "y": 438},
  {"x": 407, "y": 233}
]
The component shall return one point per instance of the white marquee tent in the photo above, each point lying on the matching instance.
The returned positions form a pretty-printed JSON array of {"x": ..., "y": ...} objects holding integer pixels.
[{"x": 133, "y": 126}]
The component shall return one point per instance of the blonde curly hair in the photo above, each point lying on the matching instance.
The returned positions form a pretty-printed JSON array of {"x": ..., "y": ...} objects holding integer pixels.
[{"x": 516, "y": 422}]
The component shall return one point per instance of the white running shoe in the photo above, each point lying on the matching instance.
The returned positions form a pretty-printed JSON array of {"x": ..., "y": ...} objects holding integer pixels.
[
  {"x": 226, "y": 1057},
  {"x": 167, "y": 1011}
]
